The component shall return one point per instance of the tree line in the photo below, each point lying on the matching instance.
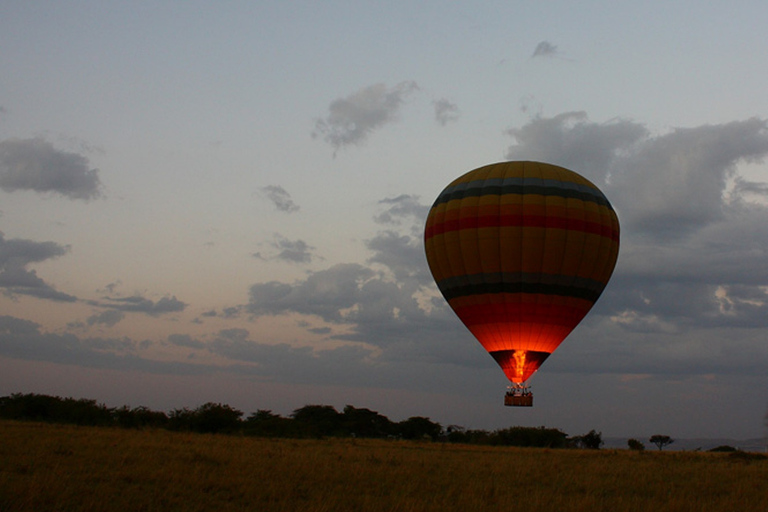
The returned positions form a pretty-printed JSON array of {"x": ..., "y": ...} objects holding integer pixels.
[{"x": 310, "y": 421}]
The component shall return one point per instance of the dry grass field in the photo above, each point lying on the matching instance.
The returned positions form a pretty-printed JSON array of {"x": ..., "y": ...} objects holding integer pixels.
[{"x": 67, "y": 468}]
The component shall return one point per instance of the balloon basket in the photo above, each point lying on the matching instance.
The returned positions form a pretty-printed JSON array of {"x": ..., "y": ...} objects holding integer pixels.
[{"x": 518, "y": 395}]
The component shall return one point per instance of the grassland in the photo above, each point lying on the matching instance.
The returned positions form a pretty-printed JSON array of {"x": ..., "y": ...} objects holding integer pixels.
[{"x": 67, "y": 468}]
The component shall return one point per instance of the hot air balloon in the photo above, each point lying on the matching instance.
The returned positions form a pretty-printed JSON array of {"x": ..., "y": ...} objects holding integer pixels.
[{"x": 521, "y": 251}]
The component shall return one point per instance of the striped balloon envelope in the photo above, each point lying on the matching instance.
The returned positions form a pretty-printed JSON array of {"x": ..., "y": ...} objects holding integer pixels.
[{"x": 521, "y": 251}]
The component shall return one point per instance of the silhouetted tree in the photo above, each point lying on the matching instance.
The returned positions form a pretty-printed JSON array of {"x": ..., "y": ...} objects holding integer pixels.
[
  {"x": 318, "y": 420},
  {"x": 634, "y": 444},
  {"x": 592, "y": 440},
  {"x": 55, "y": 409},
  {"x": 456, "y": 434},
  {"x": 268, "y": 424},
  {"x": 216, "y": 418},
  {"x": 365, "y": 423},
  {"x": 180, "y": 419},
  {"x": 210, "y": 418},
  {"x": 529, "y": 436},
  {"x": 139, "y": 417},
  {"x": 417, "y": 427},
  {"x": 661, "y": 441}
]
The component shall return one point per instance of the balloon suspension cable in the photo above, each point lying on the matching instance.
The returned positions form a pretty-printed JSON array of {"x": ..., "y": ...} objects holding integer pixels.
[{"x": 518, "y": 395}]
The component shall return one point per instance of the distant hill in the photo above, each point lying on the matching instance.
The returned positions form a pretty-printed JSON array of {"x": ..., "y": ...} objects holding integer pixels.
[{"x": 747, "y": 445}]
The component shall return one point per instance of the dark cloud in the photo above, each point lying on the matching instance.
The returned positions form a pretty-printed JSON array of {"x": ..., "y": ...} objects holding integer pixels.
[
  {"x": 403, "y": 254},
  {"x": 391, "y": 307},
  {"x": 109, "y": 318},
  {"x": 403, "y": 208},
  {"x": 698, "y": 268},
  {"x": 571, "y": 140},
  {"x": 185, "y": 340},
  {"x": 22, "y": 339},
  {"x": 138, "y": 304},
  {"x": 16, "y": 279},
  {"x": 445, "y": 111},
  {"x": 544, "y": 49},
  {"x": 280, "y": 198},
  {"x": 670, "y": 184},
  {"x": 692, "y": 257},
  {"x": 744, "y": 188},
  {"x": 674, "y": 184},
  {"x": 688, "y": 296},
  {"x": 352, "y": 119},
  {"x": 34, "y": 164},
  {"x": 291, "y": 251},
  {"x": 324, "y": 293}
]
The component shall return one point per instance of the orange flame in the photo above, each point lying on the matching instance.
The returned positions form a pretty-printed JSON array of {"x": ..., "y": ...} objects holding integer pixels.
[{"x": 519, "y": 356}]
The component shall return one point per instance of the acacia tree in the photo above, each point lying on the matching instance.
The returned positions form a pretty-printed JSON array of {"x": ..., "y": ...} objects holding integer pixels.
[
  {"x": 661, "y": 441},
  {"x": 592, "y": 440}
]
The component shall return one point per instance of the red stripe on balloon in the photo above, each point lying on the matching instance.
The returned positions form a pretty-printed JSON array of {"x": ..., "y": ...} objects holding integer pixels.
[
  {"x": 512, "y": 312},
  {"x": 523, "y": 221}
]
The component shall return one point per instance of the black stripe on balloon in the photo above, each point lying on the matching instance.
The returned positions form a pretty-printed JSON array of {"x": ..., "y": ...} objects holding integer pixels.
[
  {"x": 545, "y": 289},
  {"x": 516, "y": 278},
  {"x": 568, "y": 193}
]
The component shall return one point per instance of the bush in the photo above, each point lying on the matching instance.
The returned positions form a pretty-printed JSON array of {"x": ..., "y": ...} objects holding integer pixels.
[
  {"x": 540, "y": 437},
  {"x": 209, "y": 418},
  {"x": 265, "y": 423},
  {"x": 418, "y": 427},
  {"x": 54, "y": 409},
  {"x": 723, "y": 448}
]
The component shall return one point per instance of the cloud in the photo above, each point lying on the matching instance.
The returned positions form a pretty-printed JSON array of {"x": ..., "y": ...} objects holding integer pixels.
[
  {"x": 402, "y": 208},
  {"x": 324, "y": 293},
  {"x": 280, "y": 198},
  {"x": 138, "y": 304},
  {"x": 744, "y": 188},
  {"x": 352, "y": 119},
  {"x": 402, "y": 254},
  {"x": 16, "y": 279},
  {"x": 674, "y": 184},
  {"x": 34, "y": 164},
  {"x": 390, "y": 303},
  {"x": 544, "y": 49},
  {"x": 291, "y": 251},
  {"x": 23, "y": 339},
  {"x": 110, "y": 318},
  {"x": 571, "y": 140},
  {"x": 669, "y": 184},
  {"x": 688, "y": 296},
  {"x": 687, "y": 267},
  {"x": 185, "y": 340},
  {"x": 445, "y": 111},
  {"x": 693, "y": 256}
]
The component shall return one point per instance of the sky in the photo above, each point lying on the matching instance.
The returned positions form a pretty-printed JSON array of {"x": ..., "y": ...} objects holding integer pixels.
[{"x": 225, "y": 202}]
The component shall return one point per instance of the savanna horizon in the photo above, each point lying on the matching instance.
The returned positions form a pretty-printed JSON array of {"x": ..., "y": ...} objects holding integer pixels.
[{"x": 67, "y": 467}]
